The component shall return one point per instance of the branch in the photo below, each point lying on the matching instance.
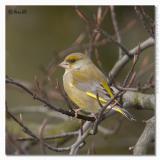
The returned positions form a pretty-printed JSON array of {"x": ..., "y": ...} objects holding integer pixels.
[
  {"x": 130, "y": 99},
  {"x": 62, "y": 135},
  {"x": 144, "y": 101},
  {"x": 135, "y": 60},
  {"x": 124, "y": 60},
  {"x": 47, "y": 104},
  {"x": 146, "y": 138},
  {"x": 101, "y": 113},
  {"x": 115, "y": 25},
  {"x": 99, "y": 43},
  {"x": 111, "y": 38},
  {"x": 146, "y": 20},
  {"x": 81, "y": 137},
  {"x": 30, "y": 133}
]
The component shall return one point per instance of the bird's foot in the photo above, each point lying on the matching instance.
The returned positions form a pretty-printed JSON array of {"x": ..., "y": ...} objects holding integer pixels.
[{"x": 76, "y": 112}]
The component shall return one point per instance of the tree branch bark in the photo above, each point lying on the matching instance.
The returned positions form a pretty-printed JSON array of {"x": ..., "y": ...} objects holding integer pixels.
[
  {"x": 122, "y": 62},
  {"x": 144, "y": 101},
  {"x": 146, "y": 138}
]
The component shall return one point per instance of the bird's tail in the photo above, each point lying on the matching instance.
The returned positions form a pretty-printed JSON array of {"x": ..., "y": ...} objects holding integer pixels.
[
  {"x": 124, "y": 112},
  {"x": 116, "y": 107}
]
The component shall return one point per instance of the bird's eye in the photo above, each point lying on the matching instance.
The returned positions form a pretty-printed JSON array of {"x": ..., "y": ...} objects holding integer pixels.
[{"x": 72, "y": 60}]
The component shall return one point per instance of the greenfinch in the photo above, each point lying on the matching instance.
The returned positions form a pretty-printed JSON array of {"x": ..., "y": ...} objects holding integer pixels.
[{"x": 83, "y": 81}]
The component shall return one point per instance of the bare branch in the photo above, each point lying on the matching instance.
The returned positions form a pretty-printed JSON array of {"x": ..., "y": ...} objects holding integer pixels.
[
  {"x": 81, "y": 137},
  {"x": 83, "y": 16},
  {"x": 62, "y": 135},
  {"x": 47, "y": 104},
  {"x": 115, "y": 25},
  {"x": 144, "y": 101},
  {"x": 146, "y": 138},
  {"x": 135, "y": 59},
  {"x": 111, "y": 38},
  {"x": 30, "y": 133},
  {"x": 41, "y": 132},
  {"x": 107, "y": 131},
  {"x": 124, "y": 60},
  {"x": 135, "y": 99},
  {"x": 146, "y": 20},
  {"x": 102, "y": 42},
  {"x": 39, "y": 109},
  {"x": 102, "y": 110}
]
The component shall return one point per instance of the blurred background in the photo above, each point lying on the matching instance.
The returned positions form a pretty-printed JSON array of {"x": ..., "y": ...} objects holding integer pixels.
[{"x": 37, "y": 39}]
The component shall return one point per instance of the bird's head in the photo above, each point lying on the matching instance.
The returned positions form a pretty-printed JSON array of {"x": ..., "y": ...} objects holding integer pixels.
[{"x": 75, "y": 61}]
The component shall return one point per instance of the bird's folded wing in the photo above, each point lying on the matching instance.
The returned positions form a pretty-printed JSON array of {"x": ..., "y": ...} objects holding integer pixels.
[{"x": 114, "y": 107}]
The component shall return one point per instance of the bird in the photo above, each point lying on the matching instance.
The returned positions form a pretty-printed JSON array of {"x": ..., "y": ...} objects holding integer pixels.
[{"x": 87, "y": 86}]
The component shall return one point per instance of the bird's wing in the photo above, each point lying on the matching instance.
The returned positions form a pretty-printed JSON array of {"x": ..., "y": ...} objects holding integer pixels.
[
  {"x": 95, "y": 85},
  {"x": 92, "y": 80}
]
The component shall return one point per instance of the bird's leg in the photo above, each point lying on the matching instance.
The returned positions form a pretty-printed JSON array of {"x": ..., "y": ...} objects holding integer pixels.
[
  {"x": 76, "y": 112},
  {"x": 95, "y": 115}
]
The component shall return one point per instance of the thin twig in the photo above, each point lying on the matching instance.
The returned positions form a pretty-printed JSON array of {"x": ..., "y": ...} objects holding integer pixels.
[
  {"x": 83, "y": 16},
  {"x": 101, "y": 15},
  {"x": 102, "y": 42},
  {"x": 125, "y": 59},
  {"x": 30, "y": 133},
  {"x": 48, "y": 104},
  {"x": 135, "y": 60},
  {"x": 81, "y": 137},
  {"x": 100, "y": 114},
  {"x": 41, "y": 132},
  {"x": 146, "y": 20},
  {"x": 115, "y": 25},
  {"x": 62, "y": 135},
  {"x": 107, "y": 132},
  {"x": 90, "y": 26},
  {"x": 120, "y": 45}
]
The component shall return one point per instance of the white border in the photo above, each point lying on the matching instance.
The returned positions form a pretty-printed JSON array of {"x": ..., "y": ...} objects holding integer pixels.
[
  {"x": 2, "y": 71},
  {"x": 81, "y": 2},
  {"x": 157, "y": 80},
  {"x": 2, "y": 81}
]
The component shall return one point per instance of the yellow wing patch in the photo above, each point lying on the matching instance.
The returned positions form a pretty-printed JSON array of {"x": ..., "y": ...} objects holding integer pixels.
[
  {"x": 95, "y": 97},
  {"x": 115, "y": 108},
  {"x": 107, "y": 88}
]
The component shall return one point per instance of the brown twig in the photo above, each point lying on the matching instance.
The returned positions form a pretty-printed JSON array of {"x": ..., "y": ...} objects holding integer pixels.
[
  {"x": 83, "y": 16},
  {"x": 102, "y": 110},
  {"x": 109, "y": 37},
  {"x": 41, "y": 132},
  {"x": 115, "y": 25},
  {"x": 90, "y": 26},
  {"x": 102, "y": 42},
  {"x": 125, "y": 59},
  {"x": 30, "y": 133},
  {"x": 135, "y": 60},
  {"x": 62, "y": 135},
  {"x": 81, "y": 137},
  {"x": 48, "y": 104},
  {"x": 146, "y": 20}
]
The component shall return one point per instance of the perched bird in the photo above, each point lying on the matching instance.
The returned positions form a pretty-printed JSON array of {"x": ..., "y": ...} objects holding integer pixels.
[{"x": 83, "y": 81}]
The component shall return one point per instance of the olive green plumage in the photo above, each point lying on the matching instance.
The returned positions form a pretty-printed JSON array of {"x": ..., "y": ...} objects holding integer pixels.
[{"x": 82, "y": 81}]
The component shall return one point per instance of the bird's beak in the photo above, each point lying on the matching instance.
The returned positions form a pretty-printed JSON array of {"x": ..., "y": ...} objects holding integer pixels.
[{"x": 64, "y": 65}]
